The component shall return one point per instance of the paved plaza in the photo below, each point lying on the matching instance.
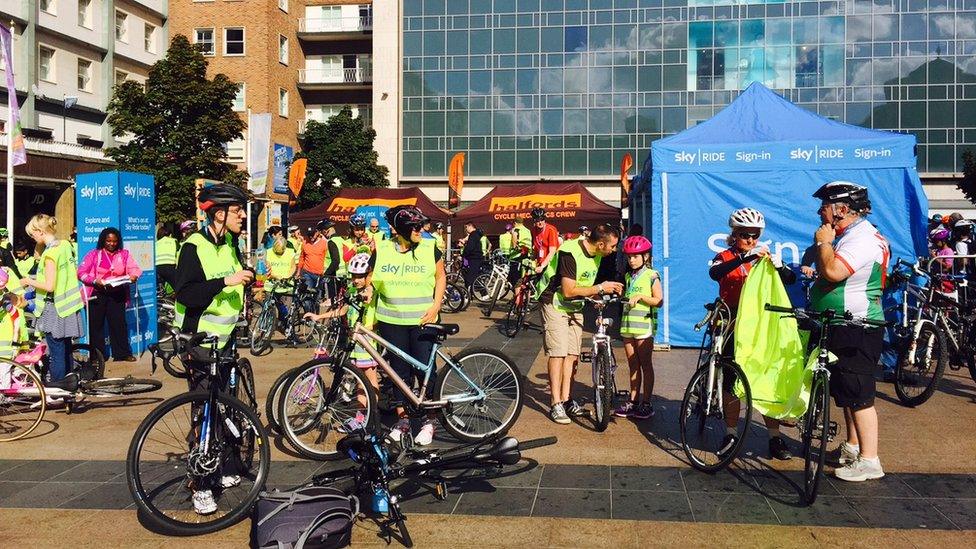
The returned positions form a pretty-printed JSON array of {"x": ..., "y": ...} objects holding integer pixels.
[{"x": 629, "y": 486}]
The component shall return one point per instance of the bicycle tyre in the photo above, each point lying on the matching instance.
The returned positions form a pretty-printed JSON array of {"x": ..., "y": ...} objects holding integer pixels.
[
  {"x": 115, "y": 386},
  {"x": 514, "y": 319},
  {"x": 690, "y": 406},
  {"x": 22, "y": 411},
  {"x": 453, "y": 299},
  {"x": 815, "y": 435},
  {"x": 508, "y": 378},
  {"x": 157, "y": 519},
  {"x": 263, "y": 328},
  {"x": 602, "y": 396},
  {"x": 296, "y": 433},
  {"x": 480, "y": 288},
  {"x": 87, "y": 361},
  {"x": 274, "y": 397},
  {"x": 910, "y": 384},
  {"x": 245, "y": 381}
]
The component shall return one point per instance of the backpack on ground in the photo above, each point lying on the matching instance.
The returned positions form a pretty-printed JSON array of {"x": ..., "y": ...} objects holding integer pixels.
[{"x": 313, "y": 517}]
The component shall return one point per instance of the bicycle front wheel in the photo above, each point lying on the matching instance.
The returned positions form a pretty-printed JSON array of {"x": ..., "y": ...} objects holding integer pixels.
[
  {"x": 603, "y": 390},
  {"x": 87, "y": 362},
  {"x": 708, "y": 409},
  {"x": 497, "y": 377},
  {"x": 481, "y": 288},
  {"x": 453, "y": 299},
  {"x": 263, "y": 328},
  {"x": 917, "y": 377},
  {"x": 515, "y": 318},
  {"x": 316, "y": 402},
  {"x": 22, "y": 402},
  {"x": 271, "y": 404},
  {"x": 168, "y": 464},
  {"x": 116, "y": 386},
  {"x": 816, "y": 432}
]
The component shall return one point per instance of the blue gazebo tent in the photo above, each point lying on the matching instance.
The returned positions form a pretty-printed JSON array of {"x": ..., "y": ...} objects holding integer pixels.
[{"x": 764, "y": 152}]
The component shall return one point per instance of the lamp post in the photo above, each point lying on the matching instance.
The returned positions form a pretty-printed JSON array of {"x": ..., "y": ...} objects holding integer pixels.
[{"x": 67, "y": 102}]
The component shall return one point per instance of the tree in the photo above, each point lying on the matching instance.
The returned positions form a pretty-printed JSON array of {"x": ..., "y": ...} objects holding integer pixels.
[
  {"x": 340, "y": 149},
  {"x": 968, "y": 182},
  {"x": 178, "y": 123}
]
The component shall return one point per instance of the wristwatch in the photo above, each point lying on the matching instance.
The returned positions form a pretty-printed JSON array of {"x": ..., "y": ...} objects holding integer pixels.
[{"x": 600, "y": 287}]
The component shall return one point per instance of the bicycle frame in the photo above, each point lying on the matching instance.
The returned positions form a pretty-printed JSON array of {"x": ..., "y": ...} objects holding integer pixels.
[
  {"x": 601, "y": 337},
  {"x": 719, "y": 321}
]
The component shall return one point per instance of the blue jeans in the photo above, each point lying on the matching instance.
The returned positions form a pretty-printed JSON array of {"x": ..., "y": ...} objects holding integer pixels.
[
  {"x": 313, "y": 282},
  {"x": 59, "y": 352}
]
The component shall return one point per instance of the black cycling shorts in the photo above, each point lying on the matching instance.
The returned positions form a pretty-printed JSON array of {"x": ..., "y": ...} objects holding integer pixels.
[{"x": 858, "y": 350}]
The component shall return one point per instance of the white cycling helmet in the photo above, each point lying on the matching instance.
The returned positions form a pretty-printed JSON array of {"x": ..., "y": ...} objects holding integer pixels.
[
  {"x": 747, "y": 218},
  {"x": 359, "y": 264}
]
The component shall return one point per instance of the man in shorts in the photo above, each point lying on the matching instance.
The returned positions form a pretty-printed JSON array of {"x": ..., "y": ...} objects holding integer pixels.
[
  {"x": 852, "y": 258},
  {"x": 567, "y": 279}
]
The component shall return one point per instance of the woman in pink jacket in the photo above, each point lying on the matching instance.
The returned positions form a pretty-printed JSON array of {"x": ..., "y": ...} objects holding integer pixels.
[{"x": 106, "y": 273}]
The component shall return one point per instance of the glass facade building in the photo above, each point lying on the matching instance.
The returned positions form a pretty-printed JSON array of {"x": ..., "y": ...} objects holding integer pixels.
[{"x": 563, "y": 88}]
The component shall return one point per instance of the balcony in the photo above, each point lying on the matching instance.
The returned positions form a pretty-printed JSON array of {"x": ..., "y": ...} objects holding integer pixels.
[
  {"x": 364, "y": 116},
  {"x": 335, "y": 78},
  {"x": 335, "y": 28}
]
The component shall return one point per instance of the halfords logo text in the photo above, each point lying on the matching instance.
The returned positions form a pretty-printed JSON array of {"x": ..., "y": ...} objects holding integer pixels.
[
  {"x": 531, "y": 201},
  {"x": 403, "y": 269},
  {"x": 135, "y": 191},
  {"x": 95, "y": 191},
  {"x": 349, "y": 205}
]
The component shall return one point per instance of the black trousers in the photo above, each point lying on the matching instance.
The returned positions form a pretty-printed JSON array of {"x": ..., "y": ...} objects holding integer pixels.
[
  {"x": 472, "y": 270},
  {"x": 417, "y": 342},
  {"x": 109, "y": 306},
  {"x": 166, "y": 274}
]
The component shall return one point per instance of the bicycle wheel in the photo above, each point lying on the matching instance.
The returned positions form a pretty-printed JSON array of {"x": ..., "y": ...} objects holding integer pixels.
[
  {"x": 603, "y": 391},
  {"x": 316, "y": 402},
  {"x": 481, "y": 288},
  {"x": 515, "y": 318},
  {"x": 497, "y": 376},
  {"x": 263, "y": 328},
  {"x": 274, "y": 397},
  {"x": 496, "y": 291},
  {"x": 22, "y": 402},
  {"x": 703, "y": 416},
  {"x": 816, "y": 432},
  {"x": 114, "y": 386},
  {"x": 166, "y": 464},
  {"x": 246, "y": 392},
  {"x": 915, "y": 383},
  {"x": 87, "y": 362},
  {"x": 453, "y": 299}
]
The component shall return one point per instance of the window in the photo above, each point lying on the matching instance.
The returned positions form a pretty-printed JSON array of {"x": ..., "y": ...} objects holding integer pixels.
[
  {"x": 84, "y": 13},
  {"x": 45, "y": 64},
  {"x": 239, "y": 104},
  {"x": 234, "y": 41},
  {"x": 235, "y": 150},
  {"x": 121, "y": 26},
  {"x": 283, "y": 102},
  {"x": 283, "y": 5},
  {"x": 84, "y": 75},
  {"x": 48, "y": 6},
  {"x": 204, "y": 39},
  {"x": 150, "y": 41},
  {"x": 120, "y": 76},
  {"x": 282, "y": 49}
]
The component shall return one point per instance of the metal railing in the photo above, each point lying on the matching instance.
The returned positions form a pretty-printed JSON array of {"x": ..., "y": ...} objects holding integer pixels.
[
  {"x": 364, "y": 116},
  {"x": 355, "y": 75},
  {"x": 336, "y": 24}
]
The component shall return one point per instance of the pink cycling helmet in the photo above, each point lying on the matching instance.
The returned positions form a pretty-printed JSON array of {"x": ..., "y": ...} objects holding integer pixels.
[
  {"x": 939, "y": 234},
  {"x": 637, "y": 245}
]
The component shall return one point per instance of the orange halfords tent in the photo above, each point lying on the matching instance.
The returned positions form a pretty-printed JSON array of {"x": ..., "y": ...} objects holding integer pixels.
[
  {"x": 344, "y": 203},
  {"x": 568, "y": 206}
]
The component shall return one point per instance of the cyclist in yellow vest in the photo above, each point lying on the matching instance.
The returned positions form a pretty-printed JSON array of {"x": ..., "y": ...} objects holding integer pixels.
[
  {"x": 569, "y": 276},
  {"x": 24, "y": 260},
  {"x": 409, "y": 281},
  {"x": 642, "y": 289},
  {"x": 59, "y": 302},
  {"x": 166, "y": 249},
  {"x": 295, "y": 238},
  {"x": 281, "y": 261},
  {"x": 523, "y": 234},
  {"x": 12, "y": 328}
]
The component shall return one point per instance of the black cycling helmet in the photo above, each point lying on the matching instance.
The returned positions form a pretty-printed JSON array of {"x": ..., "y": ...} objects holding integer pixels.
[
  {"x": 357, "y": 221},
  {"x": 323, "y": 225},
  {"x": 538, "y": 214},
  {"x": 845, "y": 192},
  {"x": 221, "y": 195},
  {"x": 404, "y": 219}
]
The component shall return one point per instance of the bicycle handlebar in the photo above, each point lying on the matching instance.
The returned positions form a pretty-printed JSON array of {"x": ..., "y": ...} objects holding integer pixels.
[{"x": 825, "y": 315}]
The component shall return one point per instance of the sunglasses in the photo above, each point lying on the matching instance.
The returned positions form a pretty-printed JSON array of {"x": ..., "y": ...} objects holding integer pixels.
[{"x": 745, "y": 236}]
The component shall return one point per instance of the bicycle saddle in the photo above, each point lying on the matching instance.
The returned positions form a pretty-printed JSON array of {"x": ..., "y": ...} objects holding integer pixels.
[{"x": 443, "y": 329}]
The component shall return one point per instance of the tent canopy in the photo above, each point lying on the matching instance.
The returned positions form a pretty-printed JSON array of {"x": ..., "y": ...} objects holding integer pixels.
[
  {"x": 766, "y": 153},
  {"x": 568, "y": 206},
  {"x": 339, "y": 207}
]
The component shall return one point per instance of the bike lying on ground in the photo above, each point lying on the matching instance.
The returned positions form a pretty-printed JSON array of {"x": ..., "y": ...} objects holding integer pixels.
[
  {"x": 198, "y": 442},
  {"x": 478, "y": 392},
  {"x": 377, "y": 462}
]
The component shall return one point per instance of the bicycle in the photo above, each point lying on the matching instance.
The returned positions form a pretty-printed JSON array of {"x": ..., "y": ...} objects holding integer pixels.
[
  {"x": 816, "y": 429},
  {"x": 377, "y": 463},
  {"x": 23, "y": 400},
  {"x": 493, "y": 285},
  {"x": 523, "y": 301},
  {"x": 478, "y": 392},
  {"x": 266, "y": 322},
  {"x": 604, "y": 364},
  {"x": 455, "y": 298},
  {"x": 707, "y": 405},
  {"x": 201, "y": 440}
]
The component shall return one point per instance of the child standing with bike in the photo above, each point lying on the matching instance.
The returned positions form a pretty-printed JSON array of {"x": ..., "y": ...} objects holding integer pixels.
[{"x": 642, "y": 287}]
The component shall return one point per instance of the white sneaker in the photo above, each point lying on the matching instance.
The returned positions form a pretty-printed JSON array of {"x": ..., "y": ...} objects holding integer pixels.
[
  {"x": 848, "y": 453},
  {"x": 860, "y": 470},
  {"x": 203, "y": 502},
  {"x": 426, "y": 434},
  {"x": 230, "y": 481},
  {"x": 402, "y": 426}
]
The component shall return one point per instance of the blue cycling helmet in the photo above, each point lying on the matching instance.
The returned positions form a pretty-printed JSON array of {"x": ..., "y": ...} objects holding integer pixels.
[{"x": 357, "y": 221}]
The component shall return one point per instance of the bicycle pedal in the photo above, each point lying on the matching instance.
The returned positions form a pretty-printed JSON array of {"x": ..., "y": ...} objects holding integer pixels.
[
  {"x": 440, "y": 490},
  {"x": 831, "y": 430}
]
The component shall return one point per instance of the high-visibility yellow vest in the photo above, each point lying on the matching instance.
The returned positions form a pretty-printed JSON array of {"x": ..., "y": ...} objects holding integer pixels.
[
  {"x": 340, "y": 242},
  {"x": 505, "y": 244},
  {"x": 11, "y": 334},
  {"x": 404, "y": 282},
  {"x": 639, "y": 321},
  {"x": 378, "y": 236},
  {"x": 166, "y": 251},
  {"x": 485, "y": 247},
  {"x": 586, "y": 268},
  {"x": 67, "y": 289},
  {"x": 25, "y": 266},
  {"x": 281, "y": 266},
  {"x": 524, "y": 236},
  {"x": 296, "y": 244},
  {"x": 220, "y": 316},
  {"x": 359, "y": 355}
]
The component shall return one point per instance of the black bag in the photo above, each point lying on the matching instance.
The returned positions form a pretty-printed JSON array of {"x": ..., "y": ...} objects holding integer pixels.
[{"x": 314, "y": 517}]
